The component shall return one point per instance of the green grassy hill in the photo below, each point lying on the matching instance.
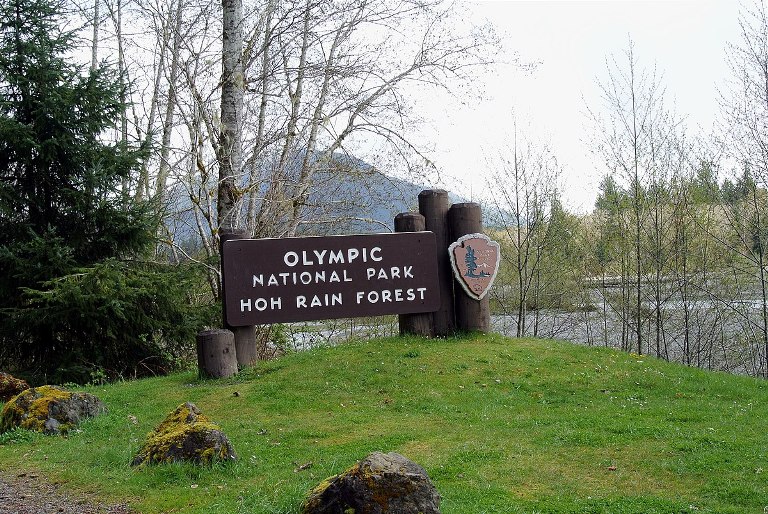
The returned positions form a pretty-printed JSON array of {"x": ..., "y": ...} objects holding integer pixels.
[{"x": 501, "y": 425}]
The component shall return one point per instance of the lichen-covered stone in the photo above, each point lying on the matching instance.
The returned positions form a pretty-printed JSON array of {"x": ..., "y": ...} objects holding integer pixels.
[
  {"x": 10, "y": 386},
  {"x": 185, "y": 435},
  {"x": 380, "y": 483},
  {"x": 49, "y": 409}
]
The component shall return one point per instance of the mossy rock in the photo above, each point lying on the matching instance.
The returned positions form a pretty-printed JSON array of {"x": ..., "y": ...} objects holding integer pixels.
[
  {"x": 49, "y": 409},
  {"x": 185, "y": 435},
  {"x": 378, "y": 484},
  {"x": 10, "y": 386}
]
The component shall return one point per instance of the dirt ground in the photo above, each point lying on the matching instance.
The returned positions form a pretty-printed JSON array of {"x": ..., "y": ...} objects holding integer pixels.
[{"x": 28, "y": 493}]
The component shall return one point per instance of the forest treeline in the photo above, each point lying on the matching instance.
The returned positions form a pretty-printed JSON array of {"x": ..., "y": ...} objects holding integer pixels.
[
  {"x": 135, "y": 132},
  {"x": 691, "y": 288},
  {"x": 672, "y": 261}
]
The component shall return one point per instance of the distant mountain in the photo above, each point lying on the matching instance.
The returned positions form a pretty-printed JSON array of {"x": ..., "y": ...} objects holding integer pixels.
[
  {"x": 349, "y": 196},
  {"x": 358, "y": 198}
]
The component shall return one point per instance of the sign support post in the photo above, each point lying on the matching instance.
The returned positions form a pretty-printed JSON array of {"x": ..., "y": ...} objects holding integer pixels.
[
  {"x": 434, "y": 205},
  {"x": 416, "y": 324},
  {"x": 216, "y": 354},
  {"x": 246, "y": 348},
  {"x": 471, "y": 314}
]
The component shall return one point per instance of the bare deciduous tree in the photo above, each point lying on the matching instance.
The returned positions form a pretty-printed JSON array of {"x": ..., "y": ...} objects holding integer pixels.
[
  {"x": 633, "y": 127},
  {"x": 744, "y": 104},
  {"x": 524, "y": 188}
]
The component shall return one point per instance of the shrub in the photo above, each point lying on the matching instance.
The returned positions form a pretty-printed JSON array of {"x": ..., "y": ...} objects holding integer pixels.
[{"x": 113, "y": 319}]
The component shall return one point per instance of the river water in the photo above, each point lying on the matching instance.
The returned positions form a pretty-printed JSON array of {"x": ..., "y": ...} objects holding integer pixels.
[{"x": 704, "y": 333}]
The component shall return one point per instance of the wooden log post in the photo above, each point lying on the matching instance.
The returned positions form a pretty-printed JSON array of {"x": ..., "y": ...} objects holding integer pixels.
[
  {"x": 471, "y": 314},
  {"x": 246, "y": 347},
  {"x": 216, "y": 353},
  {"x": 434, "y": 205},
  {"x": 414, "y": 324}
]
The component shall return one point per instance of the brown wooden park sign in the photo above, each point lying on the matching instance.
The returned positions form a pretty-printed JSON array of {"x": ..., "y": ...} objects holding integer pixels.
[
  {"x": 313, "y": 278},
  {"x": 434, "y": 272}
]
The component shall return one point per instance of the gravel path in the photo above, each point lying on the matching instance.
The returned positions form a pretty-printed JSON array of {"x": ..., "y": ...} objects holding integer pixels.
[{"x": 30, "y": 494}]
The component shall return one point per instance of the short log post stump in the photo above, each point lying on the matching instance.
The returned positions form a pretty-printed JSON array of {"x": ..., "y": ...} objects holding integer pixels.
[{"x": 216, "y": 355}]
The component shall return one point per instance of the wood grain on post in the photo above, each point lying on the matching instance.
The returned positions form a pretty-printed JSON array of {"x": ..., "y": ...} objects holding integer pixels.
[
  {"x": 415, "y": 324},
  {"x": 246, "y": 348},
  {"x": 434, "y": 205},
  {"x": 471, "y": 314},
  {"x": 216, "y": 353}
]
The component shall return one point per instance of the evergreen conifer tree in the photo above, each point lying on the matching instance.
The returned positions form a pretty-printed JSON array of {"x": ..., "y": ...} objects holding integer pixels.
[
  {"x": 471, "y": 262},
  {"x": 61, "y": 203}
]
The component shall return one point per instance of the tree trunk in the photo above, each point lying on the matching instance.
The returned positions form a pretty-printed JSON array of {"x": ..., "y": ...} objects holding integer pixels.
[
  {"x": 259, "y": 144},
  {"x": 95, "y": 42},
  {"x": 229, "y": 154},
  {"x": 170, "y": 107},
  {"x": 762, "y": 275}
]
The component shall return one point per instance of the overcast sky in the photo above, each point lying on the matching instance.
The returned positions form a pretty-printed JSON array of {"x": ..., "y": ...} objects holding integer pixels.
[{"x": 684, "y": 39}]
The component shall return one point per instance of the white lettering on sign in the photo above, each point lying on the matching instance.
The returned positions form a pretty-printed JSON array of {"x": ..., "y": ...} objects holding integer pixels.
[
  {"x": 305, "y": 277},
  {"x": 317, "y": 257},
  {"x": 389, "y": 273},
  {"x": 391, "y": 295},
  {"x": 260, "y": 304},
  {"x": 325, "y": 300}
]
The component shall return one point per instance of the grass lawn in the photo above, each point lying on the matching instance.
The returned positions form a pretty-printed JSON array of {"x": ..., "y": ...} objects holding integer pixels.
[{"x": 501, "y": 425}]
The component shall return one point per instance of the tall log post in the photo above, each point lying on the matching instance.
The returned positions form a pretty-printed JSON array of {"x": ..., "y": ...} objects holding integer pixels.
[
  {"x": 413, "y": 324},
  {"x": 434, "y": 205},
  {"x": 246, "y": 347},
  {"x": 471, "y": 314},
  {"x": 216, "y": 354}
]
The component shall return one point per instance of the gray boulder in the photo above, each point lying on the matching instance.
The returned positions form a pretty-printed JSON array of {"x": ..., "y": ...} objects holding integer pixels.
[
  {"x": 378, "y": 484},
  {"x": 49, "y": 409},
  {"x": 185, "y": 435}
]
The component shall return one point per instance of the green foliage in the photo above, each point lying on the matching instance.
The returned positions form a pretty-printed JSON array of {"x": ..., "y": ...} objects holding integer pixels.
[
  {"x": 501, "y": 425},
  {"x": 704, "y": 186},
  {"x": 17, "y": 435},
  {"x": 279, "y": 336},
  {"x": 112, "y": 319},
  {"x": 60, "y": 179},
  {"x": 551, "y": 261},
  {"x": 66, "y": 304},
  {"x": 562, "y": 261}
]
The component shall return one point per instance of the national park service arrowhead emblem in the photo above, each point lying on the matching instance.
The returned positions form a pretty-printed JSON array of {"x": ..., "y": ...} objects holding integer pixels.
[{"x": 475, "y": 262}]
